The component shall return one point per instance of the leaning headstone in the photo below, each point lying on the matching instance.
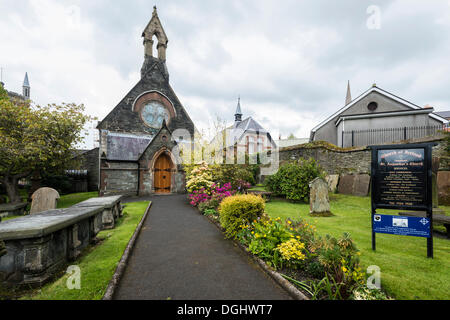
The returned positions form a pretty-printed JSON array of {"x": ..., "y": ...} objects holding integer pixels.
[
  {"x": 332, "y": 181},
  {"x": 44, "y": 199},
  {"x": 319, "y": 203},
  {"x": 443, "y": 186},
  {"x": 361, "y": 185},
  {"x": 346, "y": 182}
]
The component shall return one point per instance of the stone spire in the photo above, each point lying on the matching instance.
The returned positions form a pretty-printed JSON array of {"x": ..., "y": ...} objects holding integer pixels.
[
  {"x": 26, "y": 87},
  {"x": 348, "y": 99},
  {"x": 238, "y": 114},
  {"x": 154, "y": 28}
]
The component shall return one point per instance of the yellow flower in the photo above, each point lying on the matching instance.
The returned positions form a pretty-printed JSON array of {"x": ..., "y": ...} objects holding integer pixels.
[{"x": 344, "y": 269}]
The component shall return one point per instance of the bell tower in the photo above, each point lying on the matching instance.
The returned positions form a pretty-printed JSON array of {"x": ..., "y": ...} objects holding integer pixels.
[{"x": 154, "y": 28}]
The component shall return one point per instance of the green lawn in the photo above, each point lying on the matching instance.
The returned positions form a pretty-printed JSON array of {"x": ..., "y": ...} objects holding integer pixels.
[
  {"x": 406, "y": 272},
  {"x": 98, "y": 264},
  {"x": 69, "y": 200}
]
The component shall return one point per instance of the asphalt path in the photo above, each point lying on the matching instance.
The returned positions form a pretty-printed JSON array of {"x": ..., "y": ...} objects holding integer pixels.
[{"x": 180, "y": 255}]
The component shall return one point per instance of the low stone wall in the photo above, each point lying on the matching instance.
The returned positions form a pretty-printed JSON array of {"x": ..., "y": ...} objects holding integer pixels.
[
  {"x": 40, "y": 245},
  {"x": 354, "y": 163}
]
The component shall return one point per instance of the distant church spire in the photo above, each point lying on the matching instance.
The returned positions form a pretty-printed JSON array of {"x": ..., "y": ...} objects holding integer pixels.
[
  {"x": 154, "y": 28},
  {"x": 238, "y": 114},
  {"x": 26, "y": 87},
  {"x": 348, "y": 99}
]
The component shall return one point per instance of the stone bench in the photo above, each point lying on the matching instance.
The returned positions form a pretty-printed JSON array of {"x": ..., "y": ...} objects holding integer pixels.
[
  {"x": 112, "y": 209},
  {"x": 39, "y": 245},
  {"x": 12, "y": 209}
]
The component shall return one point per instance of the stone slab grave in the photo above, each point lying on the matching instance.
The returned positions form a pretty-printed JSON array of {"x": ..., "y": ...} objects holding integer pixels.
[
  {"x": 319, "y": 202},
  {"x": 12, "y": 209},
  {"x": 111, "y": 212},
  {"x": 39, "y": 245},
  {"x": 332, "y": 181},
  {"x": 346, "y": 182},
  {"x": 44, "y": 199},
  {"x": 354, "y": 184},
  {"x": 361, "y": 185}
]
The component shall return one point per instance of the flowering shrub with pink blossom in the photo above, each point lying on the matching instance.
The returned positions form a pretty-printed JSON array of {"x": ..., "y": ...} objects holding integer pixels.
[
  {"x": 215, "y": 196},
  {"x": 198, "y": 196},
  {"x": 220, "y": 193}
]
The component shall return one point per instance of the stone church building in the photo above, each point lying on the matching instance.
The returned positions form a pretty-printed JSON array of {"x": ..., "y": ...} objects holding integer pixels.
[{"x": 138, "y": 136}]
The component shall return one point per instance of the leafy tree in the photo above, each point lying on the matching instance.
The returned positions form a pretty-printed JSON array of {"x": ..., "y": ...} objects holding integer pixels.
[{"x": 36, "y": 139}]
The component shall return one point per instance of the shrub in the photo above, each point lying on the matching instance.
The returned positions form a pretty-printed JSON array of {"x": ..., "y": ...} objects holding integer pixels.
[
  {"x": 265, "y": 236},
  {"x": 238, "y": 175},
  {"x": 210, "y": 212},
  {"x": 198, "y": 196},
  {"x": 200, "y": 178},
  {"x": 292, "y": 179},
  {"x": 238, "y": 210},
  {"x": 340, "y": 260}
]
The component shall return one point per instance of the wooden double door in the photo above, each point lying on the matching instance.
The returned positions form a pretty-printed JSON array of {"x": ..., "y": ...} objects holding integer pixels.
[{"x": 163, "y": 174}]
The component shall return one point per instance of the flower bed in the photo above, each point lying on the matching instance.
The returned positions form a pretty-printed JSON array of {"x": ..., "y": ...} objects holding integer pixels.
[{"x": 322, "y": 267}]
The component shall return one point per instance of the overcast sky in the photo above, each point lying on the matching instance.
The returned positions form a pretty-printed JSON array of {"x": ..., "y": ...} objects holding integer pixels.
[{"x": 288, "y": 60}]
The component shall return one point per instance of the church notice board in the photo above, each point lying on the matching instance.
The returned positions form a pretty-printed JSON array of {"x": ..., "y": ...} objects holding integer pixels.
[{"x": 401, "y": 179}]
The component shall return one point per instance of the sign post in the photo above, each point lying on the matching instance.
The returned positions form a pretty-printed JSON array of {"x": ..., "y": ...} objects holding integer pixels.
[{"x": 401, "y": 179}]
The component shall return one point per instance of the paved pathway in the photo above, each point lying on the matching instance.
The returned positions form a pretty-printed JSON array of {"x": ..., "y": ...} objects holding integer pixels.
[{"x": 179, "y": 255}]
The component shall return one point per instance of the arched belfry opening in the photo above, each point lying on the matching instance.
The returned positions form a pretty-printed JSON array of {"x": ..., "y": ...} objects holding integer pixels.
[{"x": 155, "y": 29}]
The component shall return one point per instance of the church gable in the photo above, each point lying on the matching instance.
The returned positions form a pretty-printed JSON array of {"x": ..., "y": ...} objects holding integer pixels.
[
  {"x": 136, "y": 136},
  {"x": 143, "y": 116},
  {"x": 162, "y": 141},
  {"x": 126, "y": 117},
  {"x": 375, "y": 102}
]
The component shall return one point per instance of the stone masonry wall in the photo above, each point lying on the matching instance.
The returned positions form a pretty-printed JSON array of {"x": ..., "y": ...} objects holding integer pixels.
[{"x": 336, "y": 160}]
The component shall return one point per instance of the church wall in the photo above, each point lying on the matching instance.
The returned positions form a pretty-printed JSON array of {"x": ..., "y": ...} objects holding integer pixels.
[{"x": 119, "y": 178}]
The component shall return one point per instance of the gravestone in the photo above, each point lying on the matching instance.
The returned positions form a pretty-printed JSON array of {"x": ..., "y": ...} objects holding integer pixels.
[
  {"x": 44, "y": 199},
  {"x": 319, "y": 202},
  {"x": 346, "y": 182},
  {"x": 332, "y": 181},
  {"x": 361, "y": 185},
  {"x": 443, "y": 185}
]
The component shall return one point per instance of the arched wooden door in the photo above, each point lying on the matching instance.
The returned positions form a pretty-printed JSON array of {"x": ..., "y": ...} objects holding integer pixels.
[{"x": 163, "y": 174}]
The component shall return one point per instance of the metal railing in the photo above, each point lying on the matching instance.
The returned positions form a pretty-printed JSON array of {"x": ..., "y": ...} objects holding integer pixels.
[{"x": 359, "y": 138}]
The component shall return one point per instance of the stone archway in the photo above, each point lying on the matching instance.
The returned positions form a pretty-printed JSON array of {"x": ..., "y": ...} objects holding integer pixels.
[
  {"x": 162, "y": 174},
  {"x": 163, "y": 171}
]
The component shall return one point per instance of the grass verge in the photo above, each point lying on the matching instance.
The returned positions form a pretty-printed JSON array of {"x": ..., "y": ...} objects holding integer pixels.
[
  {"x": 406, "y": 272},
  {"x": 98, "y": 263}
]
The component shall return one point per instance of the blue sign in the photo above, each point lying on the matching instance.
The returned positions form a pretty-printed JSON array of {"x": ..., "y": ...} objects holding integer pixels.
[{"x": 401, "y": 225}]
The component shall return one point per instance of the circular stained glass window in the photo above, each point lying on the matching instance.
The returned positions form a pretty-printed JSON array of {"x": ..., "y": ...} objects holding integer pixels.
[{"x": 154, "y": 113}]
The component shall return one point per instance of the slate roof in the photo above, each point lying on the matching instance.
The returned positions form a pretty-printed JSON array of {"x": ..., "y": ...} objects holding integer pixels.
[
  {"x": 443, "y": 114},
  {"x": 249, "y": 124},
  {"x": 126, "y": 147}
]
